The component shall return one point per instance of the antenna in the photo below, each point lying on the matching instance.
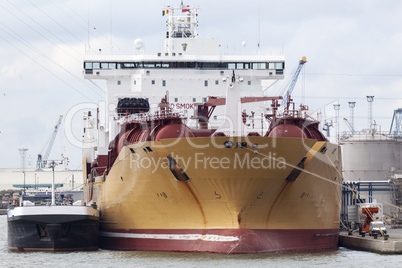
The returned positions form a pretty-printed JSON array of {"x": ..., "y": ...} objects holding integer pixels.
[
  {"x": 23, "y": 156},
  {"x": 111, "y": 29},
  {"x": 337, "y": 107},
  {"x": 352, "y": 105},
  {"x": 370, "y": 100},
  {"x": 259, "y": 26},
  {"x": 89, "y": 45}
]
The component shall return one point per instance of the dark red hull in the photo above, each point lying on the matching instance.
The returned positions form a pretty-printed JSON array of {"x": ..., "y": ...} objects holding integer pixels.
[{"x": 227, "y": 241}]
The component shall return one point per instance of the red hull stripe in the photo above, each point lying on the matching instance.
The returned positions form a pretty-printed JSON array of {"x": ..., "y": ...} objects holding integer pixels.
[{"x": 228, "y": 241}]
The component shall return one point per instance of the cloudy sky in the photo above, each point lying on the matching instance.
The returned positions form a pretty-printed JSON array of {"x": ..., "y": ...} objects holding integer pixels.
[{"x": 353, "y": 50}]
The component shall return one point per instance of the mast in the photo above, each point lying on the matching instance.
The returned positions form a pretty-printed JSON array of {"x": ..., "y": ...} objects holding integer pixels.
[
  {"x": 182, "y": 24},
  {"x": 232, "y": 125}
]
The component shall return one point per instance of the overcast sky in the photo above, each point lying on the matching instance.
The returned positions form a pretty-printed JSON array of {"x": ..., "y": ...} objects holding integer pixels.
[{"x": 353, "y": 50}]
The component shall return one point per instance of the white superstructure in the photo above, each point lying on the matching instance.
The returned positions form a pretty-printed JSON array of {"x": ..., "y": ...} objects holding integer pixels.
[{"x": 190, "y": 69}]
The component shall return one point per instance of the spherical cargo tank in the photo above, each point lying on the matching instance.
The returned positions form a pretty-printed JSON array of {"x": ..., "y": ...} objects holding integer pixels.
[{"x": 295, "y": 128}]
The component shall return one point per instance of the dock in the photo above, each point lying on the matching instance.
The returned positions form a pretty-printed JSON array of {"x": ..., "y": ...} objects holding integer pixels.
[{"x": 392, "y": 245}]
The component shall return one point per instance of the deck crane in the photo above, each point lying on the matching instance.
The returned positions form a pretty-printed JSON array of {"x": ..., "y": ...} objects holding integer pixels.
[
  {"x": 286, "y": 98},
  {"x": 42, "y": 160}
]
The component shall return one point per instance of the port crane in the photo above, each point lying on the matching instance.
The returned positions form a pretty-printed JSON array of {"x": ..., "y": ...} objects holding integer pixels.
[
  {"x": 41, "y": 162},
  {"x": 396, "y": 123},
  {"x": 352, "y": 129},
  {"x": 286, "y": 98}
]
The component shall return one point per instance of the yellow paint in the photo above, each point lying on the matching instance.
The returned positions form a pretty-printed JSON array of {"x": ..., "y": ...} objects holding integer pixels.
[{"x": 221, "y": 194}]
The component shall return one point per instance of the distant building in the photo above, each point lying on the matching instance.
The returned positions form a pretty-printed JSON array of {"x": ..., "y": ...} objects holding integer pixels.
[{"x": 13, "y": 178}]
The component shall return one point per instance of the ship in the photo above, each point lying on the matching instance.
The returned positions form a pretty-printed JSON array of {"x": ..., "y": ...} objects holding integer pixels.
[
  {"x": 190, "y": 153},
  {"x": 44, "y": 225}
]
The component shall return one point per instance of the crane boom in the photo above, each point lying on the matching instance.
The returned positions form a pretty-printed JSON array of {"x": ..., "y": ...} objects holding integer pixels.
[
  {"x": 286, "y": 98},
  {"x": 352, "y": 129},
  {"x": 50, "y": 145},
  {"x": 396, "y": 123}
]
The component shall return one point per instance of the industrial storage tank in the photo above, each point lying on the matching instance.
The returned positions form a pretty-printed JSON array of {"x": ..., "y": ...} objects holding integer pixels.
[{"x": 367, "y": 159}]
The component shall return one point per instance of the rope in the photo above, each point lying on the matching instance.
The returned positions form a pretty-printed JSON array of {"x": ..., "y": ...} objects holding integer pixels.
[{"x": 321, "y": 177}]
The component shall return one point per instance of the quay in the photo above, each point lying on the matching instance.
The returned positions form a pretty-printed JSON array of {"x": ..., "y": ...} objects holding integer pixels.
[{"x": 393, "y": 245}]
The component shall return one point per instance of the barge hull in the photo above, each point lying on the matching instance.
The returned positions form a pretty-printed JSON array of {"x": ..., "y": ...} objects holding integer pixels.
[{"x": 53, "y": 233}]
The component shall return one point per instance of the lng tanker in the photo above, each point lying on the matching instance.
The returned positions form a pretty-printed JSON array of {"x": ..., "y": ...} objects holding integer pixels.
[{"x": 190, "y": 153}]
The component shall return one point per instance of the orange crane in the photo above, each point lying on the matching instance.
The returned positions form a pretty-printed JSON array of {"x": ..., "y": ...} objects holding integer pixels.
[{"x": 369, "y": 218}]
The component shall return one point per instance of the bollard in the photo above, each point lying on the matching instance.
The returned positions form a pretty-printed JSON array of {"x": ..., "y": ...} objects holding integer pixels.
[
  {"x": 375, "y": 236},
  {"x": 363, "y": 234},
  {"x": 386, "y": 237}
]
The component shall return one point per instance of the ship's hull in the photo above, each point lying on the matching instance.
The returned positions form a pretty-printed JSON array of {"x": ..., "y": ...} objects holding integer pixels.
[
  {"x": 227, "y": 241},
  {"x": 245, "y": 198},
  {"x": 52, "y": 228}
]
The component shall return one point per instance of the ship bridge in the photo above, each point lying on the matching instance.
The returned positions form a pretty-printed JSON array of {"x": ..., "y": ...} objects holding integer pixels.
[{"x": 190, "y": 68}]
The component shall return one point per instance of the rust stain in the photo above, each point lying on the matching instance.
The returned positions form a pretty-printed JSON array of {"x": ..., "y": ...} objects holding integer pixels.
[
  {"x": 198, "y": 202},
  {"x": 276, "y": 200},
  {"x": 239, "y": 215}
]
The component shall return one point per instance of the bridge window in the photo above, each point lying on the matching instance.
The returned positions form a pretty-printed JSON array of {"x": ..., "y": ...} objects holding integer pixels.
[
  {"x": 88, "y": 65},
  {"x": 164, "y": 83},
  {"x": 206, "y": 83},
  {"x": 128, "y": 65},
  {"x": 278, "y": 65},
  {"x": 259, "y": 66},
  {"x": 149, "y": 65},
  {"x": 187, "y": 65}
]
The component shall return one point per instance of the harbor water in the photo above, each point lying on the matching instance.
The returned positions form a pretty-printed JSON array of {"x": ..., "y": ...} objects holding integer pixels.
[{"x": 106, "y": 258}]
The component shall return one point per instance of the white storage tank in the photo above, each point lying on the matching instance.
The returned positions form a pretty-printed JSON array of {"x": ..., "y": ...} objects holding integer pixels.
[{"x": 368, "y": 158}]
